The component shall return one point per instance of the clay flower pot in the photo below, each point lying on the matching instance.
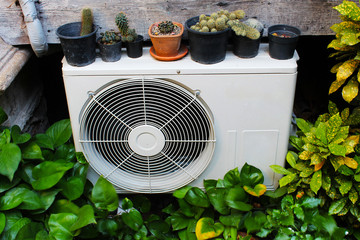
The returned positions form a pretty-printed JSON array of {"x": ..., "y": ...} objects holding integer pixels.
[{"x": 166, "y": 45}]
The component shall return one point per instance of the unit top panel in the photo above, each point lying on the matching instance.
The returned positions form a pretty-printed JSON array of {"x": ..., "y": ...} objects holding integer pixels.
[{"x": 147, "y": 65}]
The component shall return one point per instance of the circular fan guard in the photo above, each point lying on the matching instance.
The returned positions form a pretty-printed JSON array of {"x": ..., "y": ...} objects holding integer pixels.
[{"x": 147, "y": 135}]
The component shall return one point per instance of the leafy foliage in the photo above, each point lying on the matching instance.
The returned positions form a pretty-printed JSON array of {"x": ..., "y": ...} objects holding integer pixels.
[
  {"x": 347, "y": 49},
  {"x": 326, "y": 163}
]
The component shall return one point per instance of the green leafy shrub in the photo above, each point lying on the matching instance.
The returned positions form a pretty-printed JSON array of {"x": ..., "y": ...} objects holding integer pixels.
[
  {"x": 347, "y": 49},
  {"x": 326, "y": 163}
]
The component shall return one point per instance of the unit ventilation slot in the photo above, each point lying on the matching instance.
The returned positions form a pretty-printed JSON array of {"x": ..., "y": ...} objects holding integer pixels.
[{"x": 147, "y": 135}]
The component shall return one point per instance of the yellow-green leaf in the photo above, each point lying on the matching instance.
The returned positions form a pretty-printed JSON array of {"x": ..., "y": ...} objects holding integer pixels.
[
  {"x": 257, "y": 191},
  {"x": 350, "y": 90},
  {"x": 345, "y": 114},
  {"x": 353, "y": 195},
  {"x": 337, "y": 162},
  {"x": 315, "y": 159},
  {"x": 351, "y": 163},
  {"x": 305, "y": 155},
  {"x": 335, "y": 68},
  {"x": 319, "y": 165},
  {"x": 345, "y": 187},
  {"x": 336, "y": 44},
  {"x": 339, "y": 27},
  {"x": 316, "y": 181},
  {"x": 349, "y": 9},
  {"x": 287, "y": 179},
  {"x": 207, "y": 229},
  {"x": 346, "y": 69},
  {"x": 335, "y": 85},
  {"x": 333, "y": 126}
]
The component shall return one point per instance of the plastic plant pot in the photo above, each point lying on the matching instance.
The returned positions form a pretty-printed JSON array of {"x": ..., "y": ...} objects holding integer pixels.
[
  {"x": 110, "y": 53},
  {"x": 282, "y": 41},
  {"x": 206, "y": 47},
  {"x": 135, "y": 49},
  {"x": 245, "y": 47},
  {"x": 78, "y": 50}
]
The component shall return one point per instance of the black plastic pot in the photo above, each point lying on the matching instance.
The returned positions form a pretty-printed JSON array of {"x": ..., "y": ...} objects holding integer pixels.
[
  {"x": 78, "y": 50},
  {"x": 245, "y": 47},
  {"x": 206, "y": 47},
  {"x": 281, "y": 47},
  {"x": 110, "y": 53},
  {"x": 135, "y": 49}
]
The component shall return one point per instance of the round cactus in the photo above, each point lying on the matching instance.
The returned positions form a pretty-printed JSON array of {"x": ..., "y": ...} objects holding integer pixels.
[
  {"x": 166, "y": 27},
  {"x": 109, "y": 37}
]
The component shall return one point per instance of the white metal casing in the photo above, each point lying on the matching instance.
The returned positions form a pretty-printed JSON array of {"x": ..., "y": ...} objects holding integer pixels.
[{"x": 251, "y": 101}]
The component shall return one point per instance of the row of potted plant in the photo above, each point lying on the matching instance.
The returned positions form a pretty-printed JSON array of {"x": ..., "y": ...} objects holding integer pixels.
[{"x": 208, "y": 38}]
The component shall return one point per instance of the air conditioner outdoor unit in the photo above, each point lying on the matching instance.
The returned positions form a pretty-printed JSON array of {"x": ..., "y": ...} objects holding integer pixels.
[{"x": 150, "y": 126}]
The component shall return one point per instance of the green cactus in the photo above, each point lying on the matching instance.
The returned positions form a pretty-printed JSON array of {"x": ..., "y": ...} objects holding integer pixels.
[
  {"x": 242, "y": 29},
  {"x": 86, "y": 21},
  {"x": 254, "y": 23},
  {"x": 220, "y": 23},
  {"x": 109, "y": 37},
  {"x": 127, "y": 34},
  {"x": 166, "y": 27}
]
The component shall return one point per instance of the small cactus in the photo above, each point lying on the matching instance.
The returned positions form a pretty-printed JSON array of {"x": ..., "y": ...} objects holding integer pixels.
[
  {"x": 166, "y": 27},
  {"x": 109, "y": 37},
  {"x": 127, "y": 34},
  {"x": 86, "y": 21},
  {"x": 242, "y": 29}
]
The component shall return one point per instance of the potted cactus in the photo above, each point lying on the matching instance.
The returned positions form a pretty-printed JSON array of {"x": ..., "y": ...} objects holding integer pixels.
[
  {"x": 166, "y": 39},
  {"x": 110, "y": 46},
  {"x": 246, "y": 37},
  {"x": 208, "y": 35},
  {"x": 132, "y": 41},
  {"x": 78, "y": 40}
]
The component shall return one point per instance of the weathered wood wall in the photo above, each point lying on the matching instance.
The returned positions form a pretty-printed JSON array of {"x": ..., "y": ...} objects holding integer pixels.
[{"x": 313, "y": 17}]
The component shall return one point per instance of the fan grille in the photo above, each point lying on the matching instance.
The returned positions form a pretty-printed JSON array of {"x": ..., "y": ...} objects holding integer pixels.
[{"x": 147, "y": 135}]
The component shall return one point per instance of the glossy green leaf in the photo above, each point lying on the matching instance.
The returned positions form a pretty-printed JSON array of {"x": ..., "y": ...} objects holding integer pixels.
[
  {"x": 107, "y": 226},
  {"x": 158, "y": 228},
  {"x": 251, "y": 176},
  {"x": 255, "y": 221},
  {"x": 338, "y": 150},
  {"x": 13, "y": 226},
  {"x": 237, "y": 198},
  {"x": 209, "y": 184},
  {"x": 32, "y": 201},
  {"x": 44, "y": 141},
  {"x": 217, "y": 200},
  {"x": 66, "y": 152},
  {"x": 232, "y": 220},
  {"x": 181, "y": 193},
  {"x": 32, "y": 151},
  {"x": 12, "y": 198},
  {"x": 60, "y": 132},
  {"x": 232, "y": 178},
  {"x": 291, "y": 158},
  {"x": 287, "y": 179},
  {"x": 6, "y": 184},
  {"x": 47, "y": 174},
  {"x": 316, "y": 181},
  {"x": 132, "y": 219},
  {"x": 60, "y": 224},
  {"x": 85, "y": 217},
  {"x": 2, "y": 222},
  {"x": 18, "y": 137},
  {"x": 196, "y": 197},
  {"x": 10, "y": 157},
  {"x": 64, "y": 206},
  {"x": 104, "y": 195},
  {"x": 280, "y": 170},
  {"x": 29, "y": 231},
  {"x": 179, "y": 221},
  {"x": 345, "y": 187},
  {"x": 72, "y": 188},
  {"x": 303, "y": 125}
]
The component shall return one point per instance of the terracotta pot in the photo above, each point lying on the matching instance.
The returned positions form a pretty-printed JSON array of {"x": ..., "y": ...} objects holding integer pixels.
[{"x": 166, "y": 45}]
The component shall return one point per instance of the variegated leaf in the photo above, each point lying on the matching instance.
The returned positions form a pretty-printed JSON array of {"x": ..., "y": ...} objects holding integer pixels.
[
  {"x": 300, "y": 166},
  {"x": 333, "y": 126},
  {"x": 319, "y": 165},
  {"x": 339, "y": 27},
  {"x": 350, "y": 36},
  {"x": 316, "y": 181},
  {"x": 332, "y": 193},
  {"x": 349, "y": 9},
  {"x": 306, "y": 172},
  {"x": 351, "y": 163},
  {"x": 332, "y": 108},
  {"x": 338, "y": 150},
  {"x": 350, "y": 90},
  {"x": 335, "y": 85},
  {"x": 353, "y": 195},
  {"x": 310, "y": 148},
  {"x": 305, "y": 155},
  {"x": 335, "y": 68},
  {"x": 346, "y": 70},
  {"x": 336, "y": 44},
  {"x": 320, "y": 133},
  {"x": 326, "y": 182},
  {"x": 345, "y": 186},
  {"x": 345, "y": 210},
  {"x": 337, "y": 162},
  {"x": 287, "y": 179},
  {"x": 345, "y": 114},
  {"x": 341, "y": 135},
  {"x": 315, "y": 159}
]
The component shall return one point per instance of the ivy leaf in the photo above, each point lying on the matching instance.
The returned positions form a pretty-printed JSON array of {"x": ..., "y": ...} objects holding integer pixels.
[
  {"x": 17, "y": 137},
  {"x": 350, "y": 90},
  {"x": 60, "y": 132},
  {"x": 60, "y": 224},
  {"x": 10, "y": 157},
  {"x": 216, "y": 197},
  {"x": 206, "y": 228},
  {"x": 132, "y": 219},
  {"x": 85, "y": 217},
  {"x": 32, "y": 151},
  {"x": 257, "y": 191},
  {"x": 104, "y": 195},
  {"x": 250, "y": 175},
  {"x": 316, "y": 181},
  {"x": 195, "y": 196}
]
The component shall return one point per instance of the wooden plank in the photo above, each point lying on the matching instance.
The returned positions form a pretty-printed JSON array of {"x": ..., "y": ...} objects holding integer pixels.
[{"x": 313, "y": 17}]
